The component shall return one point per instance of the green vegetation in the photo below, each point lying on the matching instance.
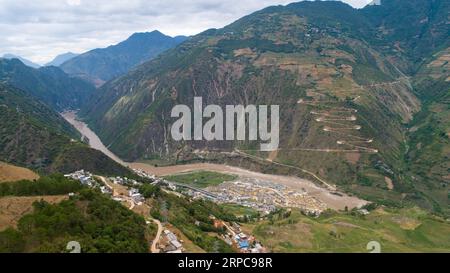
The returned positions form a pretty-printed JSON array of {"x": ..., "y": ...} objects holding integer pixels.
[
  {"x": 95, "y": 221},
  {"x": 191, "y": 217},
  {"x": 417, "y": 26},
  {"x": 397, "y": 230},
  {"x": 427, "y": 160},
  {"x": 201, "y": 179},
  {"x": 243, "y": 213},
  {"x": 49, "y": 185},
  {"x": 34, "y": 136},
  {"x": 47, "y": 84}
]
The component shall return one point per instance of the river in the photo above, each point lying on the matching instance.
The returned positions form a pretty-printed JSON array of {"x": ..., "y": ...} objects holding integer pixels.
[
  {"x": 94, "y": 140},
  {"x": 332, "y": 200}
]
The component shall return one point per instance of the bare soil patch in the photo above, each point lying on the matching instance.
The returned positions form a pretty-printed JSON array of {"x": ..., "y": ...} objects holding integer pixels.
[
  {"x": 14, "y": 208},
  {"x": 12, "y": 173},
  {"x": 389, "y": 183}
]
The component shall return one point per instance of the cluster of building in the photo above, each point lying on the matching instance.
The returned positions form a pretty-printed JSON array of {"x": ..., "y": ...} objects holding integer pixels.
[
  {"x": 136, "y": 196},
  {"x": 266, "y": 196},
  {"x": 239, "y": 240},
  {"x": 144, "y": 174},
  {"x": 86, "y": 178},
  {"x": 124, "y": 181},
  {"x": 170, "y": 243}
]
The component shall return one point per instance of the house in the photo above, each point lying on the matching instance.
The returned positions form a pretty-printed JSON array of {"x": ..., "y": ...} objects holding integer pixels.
[
  {"x": 242, "y": 236},
  {"x": 243, "y": 244},
  {"x": 170, "y": 248},
  {"x": 137, "y": 198},
  {"x": 176, "y": 244},
  {"x": 105, "y": 190},
  {"x": 171, "y": 237},
  {"x": 133, "y": 191}
]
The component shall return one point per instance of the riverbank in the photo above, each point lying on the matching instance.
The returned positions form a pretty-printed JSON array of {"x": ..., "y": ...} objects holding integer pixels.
[{"x": 333, "y": 201}]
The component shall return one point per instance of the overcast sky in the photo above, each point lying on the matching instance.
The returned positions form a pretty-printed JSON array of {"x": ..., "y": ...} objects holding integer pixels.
[{"x": 41, "y": 29}]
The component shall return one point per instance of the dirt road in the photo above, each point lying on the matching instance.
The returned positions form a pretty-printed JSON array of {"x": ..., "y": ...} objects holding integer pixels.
[{"x": 155, "y": 242}]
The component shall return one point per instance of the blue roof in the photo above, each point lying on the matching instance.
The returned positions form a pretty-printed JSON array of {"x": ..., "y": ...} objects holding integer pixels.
[{"x": 243, "y": 244}]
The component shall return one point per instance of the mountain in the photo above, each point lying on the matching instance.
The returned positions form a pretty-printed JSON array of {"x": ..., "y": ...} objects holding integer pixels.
[
  {"x": 101, "y": 65},
  {"x": 32, "y": 135},
  {"x": 428, "y": 153},
  {"x": 415, "y": 28},
  {"x": 343, "y": 79},
  {"x": 60, "y": 59},
  {"x": 49, "y": 84},
  {"x": 23, "y": 60}
]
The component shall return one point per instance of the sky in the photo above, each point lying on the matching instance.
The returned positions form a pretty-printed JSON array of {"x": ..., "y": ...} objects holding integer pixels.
[{"x": 41, "y": 29}]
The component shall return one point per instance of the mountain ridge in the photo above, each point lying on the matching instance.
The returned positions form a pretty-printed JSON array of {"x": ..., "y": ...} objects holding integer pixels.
[
  {"x": 316, "y": 57},
  {"x": 62, "y": 58},
  {"x": 103, "y": 64},
  {"x": 48, "y": 84},
  {"x": 23, "y": 60}
]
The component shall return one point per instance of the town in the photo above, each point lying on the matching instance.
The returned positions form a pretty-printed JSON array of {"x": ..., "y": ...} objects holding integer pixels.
[{"x": 262, "y": 196}]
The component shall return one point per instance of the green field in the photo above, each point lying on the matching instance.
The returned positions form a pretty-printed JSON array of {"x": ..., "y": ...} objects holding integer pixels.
[
  {"x": 399, "y": 230},
  {"x": 201, "y": 179},
  {"x": 240, "y": 210}
]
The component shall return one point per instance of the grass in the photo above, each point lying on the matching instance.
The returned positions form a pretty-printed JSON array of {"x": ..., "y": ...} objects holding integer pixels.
[
  {"x": 202, "y": 179},
  {"x": 397, "y": 230},
  {"x": 240, "y": 210},
  {"x": 12, "y": 173},
  {"x": 13, "y": 208}
]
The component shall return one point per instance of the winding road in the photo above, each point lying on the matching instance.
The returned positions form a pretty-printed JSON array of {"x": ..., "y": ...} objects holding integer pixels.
[
  {"x": 337, "y": 119},
  {"x": 155, "y": 242}
]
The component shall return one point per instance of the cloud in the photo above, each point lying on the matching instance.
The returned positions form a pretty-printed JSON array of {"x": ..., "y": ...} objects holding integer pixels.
[
  {"x": 74, "y": 2},
  {"x": 40, "y": 29}
]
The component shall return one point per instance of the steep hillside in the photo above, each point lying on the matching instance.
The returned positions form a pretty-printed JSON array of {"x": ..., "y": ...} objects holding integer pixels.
[
  {"x": 48, "y": 84},
  {"x": 34, "y": 136},
  {"x": 416, "y": 28},
  {"x": 428, "y": 155},
  {"x": 101, "y": 65},
  {"x": 343, "y": 103},
  {"x": 98, "y": 223}
]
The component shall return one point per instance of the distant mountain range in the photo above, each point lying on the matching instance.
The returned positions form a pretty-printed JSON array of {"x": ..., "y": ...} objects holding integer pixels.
[
  {"x": 48, "y": 84},
  {"x": 60, "y": 59},
  {"x": 23, "y": 60},
  {"x": 101, "y": 65}
]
